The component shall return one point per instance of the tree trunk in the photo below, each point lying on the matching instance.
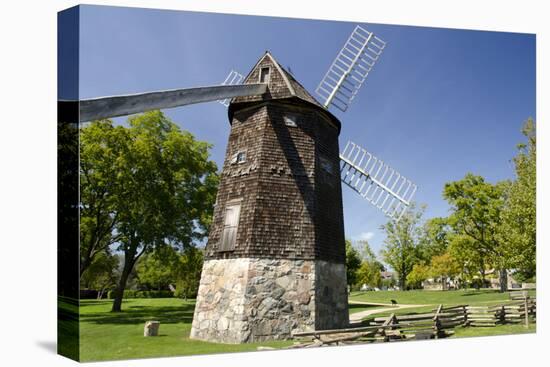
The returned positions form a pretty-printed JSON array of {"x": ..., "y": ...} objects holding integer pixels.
[
  {"x": 503, "y": 280},
  {"x": 119, "y": 292},
  {"x": 83, "y": 266}
]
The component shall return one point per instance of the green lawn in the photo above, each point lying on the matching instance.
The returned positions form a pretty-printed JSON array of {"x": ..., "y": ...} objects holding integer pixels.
[
  {"x": 109, "y": 336},
  {"x": 404, "y": 311},
  {"x": 447, "y": 298},
  {"x": 461, "y": 332},
  {"x": 354, "y": 308}
]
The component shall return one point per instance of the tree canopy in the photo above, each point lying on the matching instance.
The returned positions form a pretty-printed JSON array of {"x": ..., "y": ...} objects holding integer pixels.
[
  {"x": 476, "y": 207},
  {"x": 402, "y": 245},
  {"x": 491, "y": 226},
  {"x": 419, "y": 273},
  {"x": 101, "y": 145},
  {"x": 101, "y": 274},
  {"x": 157, "y": 269},
  {"x": 189, "y": 273},
  {"x": 518, "y": 231},
  {"x": 158, "y": 182},
  {"x": 435, "y": 238},
  {"x": 353, "y": 263}
]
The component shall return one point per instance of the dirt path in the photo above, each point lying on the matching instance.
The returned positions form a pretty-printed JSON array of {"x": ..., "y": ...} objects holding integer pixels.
[{"x": 358, "y": 316}]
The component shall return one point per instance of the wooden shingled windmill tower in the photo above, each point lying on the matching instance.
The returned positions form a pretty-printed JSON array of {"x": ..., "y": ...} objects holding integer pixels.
[{"x": 275, "y": 257}]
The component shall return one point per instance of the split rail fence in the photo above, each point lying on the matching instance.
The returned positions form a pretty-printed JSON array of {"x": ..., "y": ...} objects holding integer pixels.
[{"x": 436, "y": 324}]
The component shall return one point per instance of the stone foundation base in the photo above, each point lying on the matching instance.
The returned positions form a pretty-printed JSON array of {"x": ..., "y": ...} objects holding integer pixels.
[{"x": 248, "y": 300}]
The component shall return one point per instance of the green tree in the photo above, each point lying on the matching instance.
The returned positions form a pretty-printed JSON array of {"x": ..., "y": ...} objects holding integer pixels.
[
  {"x": 419, "y": 273},
  {"x": 369, "y": 274},
  {"x": 369, "y": 271},
  {"x": 101, "y": 144},
  {"x": 518, "y": 231},
  {"x": 470, "y": 255},
  {"x": 444, "y": 266},
  {"x": 402, "y": 245},
  {"x": 353, "y": 263},
  {"x": 189, "y": 273},
  {"x": 101, "y": 274},
  {"x": 164, "y": 185},
  {"x": 388, "y": 282},
  {"x": 436, "y": 237},
  {"x": 476, "y": 212},
  {"x": 365, "y": 251},
  {"x": 158, "y": 269}
]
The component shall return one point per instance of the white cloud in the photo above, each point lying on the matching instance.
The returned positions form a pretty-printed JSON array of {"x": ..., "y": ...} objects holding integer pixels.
[{"x": 365, "y": 236}]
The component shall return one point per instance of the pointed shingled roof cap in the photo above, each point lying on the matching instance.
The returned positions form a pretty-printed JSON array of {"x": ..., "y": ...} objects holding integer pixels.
[{"x": 281, "y": 85}]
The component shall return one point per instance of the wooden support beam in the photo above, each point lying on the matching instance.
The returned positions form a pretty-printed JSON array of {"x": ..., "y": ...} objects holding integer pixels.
[{"x": 114, "y": 106}]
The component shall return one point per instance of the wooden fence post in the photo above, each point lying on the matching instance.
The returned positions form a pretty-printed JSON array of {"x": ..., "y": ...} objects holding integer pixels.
[
  {"x": 436, "y": 321},
  {"x": 390, "y": 321},
  {"x": 526, "y": 310}
]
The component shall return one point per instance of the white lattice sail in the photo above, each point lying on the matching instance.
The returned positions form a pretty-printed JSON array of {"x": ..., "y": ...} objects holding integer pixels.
[
  {"x": 349, "y": 70},
  {"x": 233, "y": 78},
  {"x": 375, "y": 181}
]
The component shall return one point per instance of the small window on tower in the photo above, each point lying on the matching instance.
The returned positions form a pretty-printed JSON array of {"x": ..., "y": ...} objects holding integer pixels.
[
  {"x": 241, "y": 157},
  {"x": 326, "y": 165},
  {"x": 264, "y": 75},
  {"x": 290, "y": 120}
]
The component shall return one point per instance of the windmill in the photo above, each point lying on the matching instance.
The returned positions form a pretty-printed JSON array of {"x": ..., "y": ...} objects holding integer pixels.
[
  {"x": 364, "y": 173},
  {"x": 275, "y": 258}
]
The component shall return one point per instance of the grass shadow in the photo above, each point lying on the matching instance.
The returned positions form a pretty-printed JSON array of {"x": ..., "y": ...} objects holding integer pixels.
[
  {"x": 477, "y": 293},
  {"x": 95, "y": 302},
  {"x": 140, "y": 314},
  {"x": 353, "y": 306}
]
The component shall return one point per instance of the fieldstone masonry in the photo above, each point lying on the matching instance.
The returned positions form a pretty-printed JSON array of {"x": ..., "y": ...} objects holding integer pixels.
[
  {"x": 250, "y": 300},
  {"x": 279, "y": 266}
]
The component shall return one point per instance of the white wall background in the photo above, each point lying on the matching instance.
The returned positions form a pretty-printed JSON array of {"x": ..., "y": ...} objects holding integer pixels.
[{"x": 28, "y": 180}]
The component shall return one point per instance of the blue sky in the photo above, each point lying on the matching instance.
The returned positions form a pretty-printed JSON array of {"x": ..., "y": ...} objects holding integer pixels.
[{"x": 440, "y": 102}]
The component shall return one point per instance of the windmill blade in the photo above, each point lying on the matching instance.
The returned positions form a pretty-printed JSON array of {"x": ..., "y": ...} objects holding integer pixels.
[
  {"x": 350, "y": 69},
  {"x": 122, "y": 105},
  {"x": 233, "y": 78},
  {"x": 375, "y": 181}
]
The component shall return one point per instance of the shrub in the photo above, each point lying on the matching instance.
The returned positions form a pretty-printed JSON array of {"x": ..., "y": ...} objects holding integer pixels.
[
  {"x": 128, "y": 294},
  {"x": 88, "y": 294}
]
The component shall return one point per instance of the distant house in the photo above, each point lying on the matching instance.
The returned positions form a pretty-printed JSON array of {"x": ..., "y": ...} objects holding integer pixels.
[
  {"x": 388, "y": 276},
  {"x": 433, "y": 284},
  {"x": 492, "y": 281},
  {"x": 385, "y": 276}
]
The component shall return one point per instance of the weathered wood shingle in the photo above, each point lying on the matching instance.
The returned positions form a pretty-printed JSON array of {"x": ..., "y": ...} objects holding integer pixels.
[
  {"x": 281, "y": 85},
  {"x": 289, "y": 186}
]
